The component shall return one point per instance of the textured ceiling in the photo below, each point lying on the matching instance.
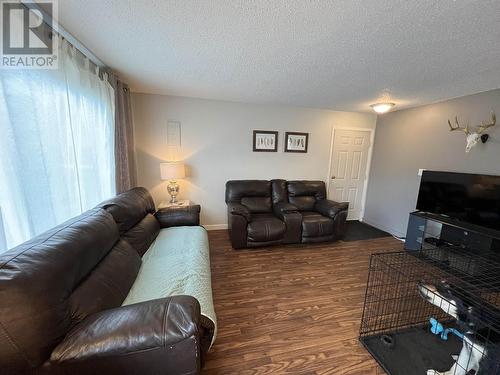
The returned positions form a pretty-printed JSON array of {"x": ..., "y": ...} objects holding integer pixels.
[{"x": 338, "y": 54}]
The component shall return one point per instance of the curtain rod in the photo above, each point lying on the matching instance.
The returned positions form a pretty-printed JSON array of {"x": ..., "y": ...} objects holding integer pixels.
[{"x": 65, "y": 34}]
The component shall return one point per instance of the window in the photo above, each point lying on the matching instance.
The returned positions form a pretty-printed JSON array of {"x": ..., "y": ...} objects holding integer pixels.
[
  {"x": 56, "y": 145},
  {"x": 3, "y": 242}
]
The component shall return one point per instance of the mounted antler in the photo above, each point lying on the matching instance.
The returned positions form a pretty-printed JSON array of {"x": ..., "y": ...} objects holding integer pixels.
[
  {"x": 458, "y": 127},
  {"x": 473, "y": 137},
  {"x": 481, "y": 128}
]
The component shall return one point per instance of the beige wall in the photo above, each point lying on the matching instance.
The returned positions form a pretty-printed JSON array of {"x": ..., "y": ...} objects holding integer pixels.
[
  {"x": 217, "y": 145},
  {"x": 420, "y": 138}
]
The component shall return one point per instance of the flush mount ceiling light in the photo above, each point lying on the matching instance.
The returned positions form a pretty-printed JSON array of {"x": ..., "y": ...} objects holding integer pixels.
[{"x": 382, "y": 107}]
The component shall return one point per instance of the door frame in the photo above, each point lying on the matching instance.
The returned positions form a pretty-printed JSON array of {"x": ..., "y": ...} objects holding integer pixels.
[{"x": 368, "y": 164}]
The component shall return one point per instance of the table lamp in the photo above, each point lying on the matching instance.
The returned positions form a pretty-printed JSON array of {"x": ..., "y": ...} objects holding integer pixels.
[{"x": 172, "y": 171}]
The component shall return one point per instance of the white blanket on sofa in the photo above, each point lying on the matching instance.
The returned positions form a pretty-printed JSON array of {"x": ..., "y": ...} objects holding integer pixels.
[{"x": 178, "y": 262}]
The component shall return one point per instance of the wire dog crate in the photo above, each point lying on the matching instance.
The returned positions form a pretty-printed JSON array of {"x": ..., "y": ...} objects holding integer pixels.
[{"x": 458, "y": 290}]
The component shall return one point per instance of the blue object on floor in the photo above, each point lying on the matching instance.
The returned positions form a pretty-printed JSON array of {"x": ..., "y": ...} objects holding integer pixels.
[{"x": 438, "y": 329}]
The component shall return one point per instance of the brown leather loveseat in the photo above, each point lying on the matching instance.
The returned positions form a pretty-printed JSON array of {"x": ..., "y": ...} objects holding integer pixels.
[
  {"x": 262, "y": 213},
  {"x": 61, "y": 296}
]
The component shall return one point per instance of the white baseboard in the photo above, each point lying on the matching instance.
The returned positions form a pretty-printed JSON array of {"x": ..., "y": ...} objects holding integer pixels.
[{"x": 215, "y": 226}]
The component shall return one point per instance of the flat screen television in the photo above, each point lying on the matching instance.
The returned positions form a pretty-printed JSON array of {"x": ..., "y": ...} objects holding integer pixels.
[{"x": 468, "y": 198}]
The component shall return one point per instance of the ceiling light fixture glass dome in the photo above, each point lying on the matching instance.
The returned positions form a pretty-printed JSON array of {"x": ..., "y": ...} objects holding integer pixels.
[{"x": 382, "y": 107}]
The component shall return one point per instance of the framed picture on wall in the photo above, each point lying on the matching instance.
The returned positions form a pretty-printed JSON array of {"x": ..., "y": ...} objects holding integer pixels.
[
  {"x": 265, "y": 141},
  {"x": 296, "y": 142}
]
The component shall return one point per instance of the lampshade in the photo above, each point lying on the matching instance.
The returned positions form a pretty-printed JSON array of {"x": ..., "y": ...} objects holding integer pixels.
[{"x": 172, "y": 170}]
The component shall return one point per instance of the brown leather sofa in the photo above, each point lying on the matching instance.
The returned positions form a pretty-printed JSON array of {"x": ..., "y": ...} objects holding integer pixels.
[
  {"x": 262, "y": 213},
  {"x": 61, "y": 296}
]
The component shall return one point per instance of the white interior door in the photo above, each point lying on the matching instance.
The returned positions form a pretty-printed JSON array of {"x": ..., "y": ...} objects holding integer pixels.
[{"x": 348, "y": 172}]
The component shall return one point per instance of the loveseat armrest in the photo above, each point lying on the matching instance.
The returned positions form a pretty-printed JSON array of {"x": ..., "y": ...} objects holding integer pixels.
[
  {"x": 337, "y": 212},
  {"x": 238, "y": 217},
  {"x": 179, "y": 216},
  {"x": 154, "y": 335},
  {"x": 330, "y": 208},
  {"x": 282, "y": 208},
  {"x": 292, "y": 218},
  {"x": 240, "y": 210}
]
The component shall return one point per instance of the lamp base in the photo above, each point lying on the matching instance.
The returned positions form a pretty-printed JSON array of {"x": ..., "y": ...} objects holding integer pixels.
[{"x": 173, "y": 190}]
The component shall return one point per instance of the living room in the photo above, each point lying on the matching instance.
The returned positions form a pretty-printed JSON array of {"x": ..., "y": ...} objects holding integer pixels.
[{"x": 241, "y": 187}]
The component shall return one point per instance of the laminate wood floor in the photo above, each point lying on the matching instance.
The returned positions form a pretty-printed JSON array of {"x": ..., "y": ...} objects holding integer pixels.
[{"x": 291, "y": 309}]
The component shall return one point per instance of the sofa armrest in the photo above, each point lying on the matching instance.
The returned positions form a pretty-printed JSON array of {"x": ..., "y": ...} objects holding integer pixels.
[
  {"x": 330, "y": 208},
  {"x": 292, "y": 218},
  {"x": 133, "y": 329},
  {"x": 240, "y": 210},
  {"x": 179, "y": 216},
  {"x": 238, "y": 217},
  {"x": 282, "y": 208}
]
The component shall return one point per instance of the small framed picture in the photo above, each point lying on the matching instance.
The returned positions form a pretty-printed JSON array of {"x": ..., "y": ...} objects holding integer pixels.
[
  {"x": 265, "y": 141},
  {"x": 296, "y": 142}
]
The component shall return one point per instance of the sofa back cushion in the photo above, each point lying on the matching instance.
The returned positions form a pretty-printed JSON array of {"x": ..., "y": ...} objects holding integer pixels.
[
  {"x": 254, "y": 194},
  {"x": 142, "y": 235},
  {"x": 304, "y": 194},
  {"x": 37, "y": 280},
  {"x": 279, "y": 191},
  {"x": 108, "y": 284},
  {"x": 133, "y": 213},
  {"x": 257, "y": 204},
  {"x": 129, "y": 208}
]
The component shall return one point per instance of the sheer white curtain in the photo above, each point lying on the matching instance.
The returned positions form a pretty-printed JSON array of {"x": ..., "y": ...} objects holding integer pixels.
[{"x": 56, "y": 145}]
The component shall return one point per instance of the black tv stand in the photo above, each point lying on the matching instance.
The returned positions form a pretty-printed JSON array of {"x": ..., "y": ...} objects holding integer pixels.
[{"x": 429, "y": 230}]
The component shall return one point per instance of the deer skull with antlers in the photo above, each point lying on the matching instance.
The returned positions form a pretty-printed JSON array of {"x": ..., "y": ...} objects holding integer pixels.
[{"x": 473, "y": 138}]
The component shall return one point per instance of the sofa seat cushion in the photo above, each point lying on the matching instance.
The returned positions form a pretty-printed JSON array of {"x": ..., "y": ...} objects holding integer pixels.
[
  {"x": 316, "y": 225},
  {"x": 265, "y": 228},
  {"x": 177, "y": 263}
]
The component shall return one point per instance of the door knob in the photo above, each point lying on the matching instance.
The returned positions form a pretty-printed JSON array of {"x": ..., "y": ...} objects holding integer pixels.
[{"x": 333, "y": 177}]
